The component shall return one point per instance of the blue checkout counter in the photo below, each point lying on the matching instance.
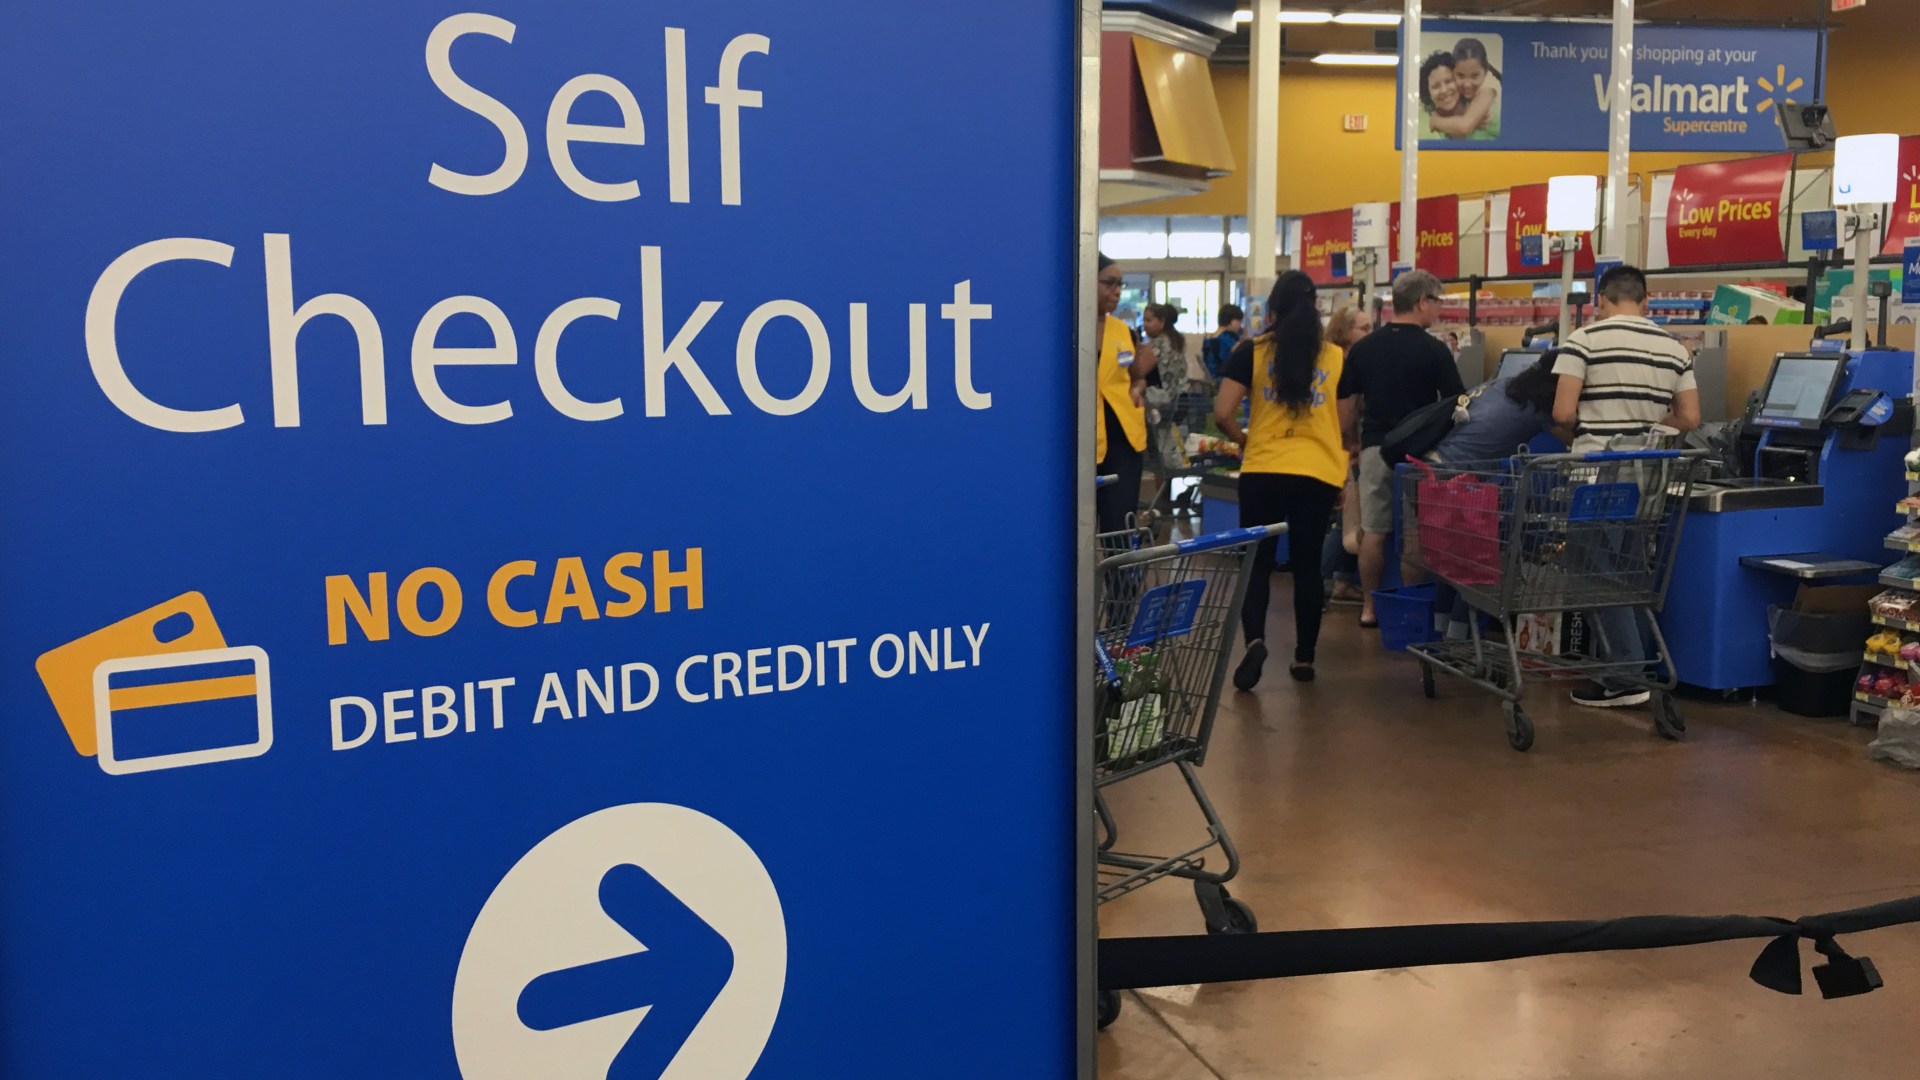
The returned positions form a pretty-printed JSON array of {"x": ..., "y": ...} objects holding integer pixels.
[
  {"x": 1818, "y": 505},
  {"x": 1220, "y": 509}
]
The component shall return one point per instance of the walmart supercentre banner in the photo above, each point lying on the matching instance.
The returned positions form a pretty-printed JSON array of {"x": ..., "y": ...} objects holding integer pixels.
[
  {"x": 1498, "y": 84},
  {"x": 497, "y": 576}
]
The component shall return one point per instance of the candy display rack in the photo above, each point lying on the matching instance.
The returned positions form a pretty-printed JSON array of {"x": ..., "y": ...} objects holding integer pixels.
[{"x": 1890, "y": 665}]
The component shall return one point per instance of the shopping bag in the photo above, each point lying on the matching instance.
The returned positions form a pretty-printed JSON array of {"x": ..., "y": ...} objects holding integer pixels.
[{"x": 1459, "y": 519}]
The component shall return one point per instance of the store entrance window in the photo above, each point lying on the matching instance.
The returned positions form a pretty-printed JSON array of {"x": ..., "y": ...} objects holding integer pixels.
[
  {"x": 1197, "y": 298},
  {"x": 1133, "y": 298}
]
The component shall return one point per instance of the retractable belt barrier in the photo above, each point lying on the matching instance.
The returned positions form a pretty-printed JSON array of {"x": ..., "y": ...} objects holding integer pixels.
[{"x": 1130, "y": 963}]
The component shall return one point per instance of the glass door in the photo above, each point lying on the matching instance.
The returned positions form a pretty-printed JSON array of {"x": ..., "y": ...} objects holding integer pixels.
[{"x": 1197, "y": 298}]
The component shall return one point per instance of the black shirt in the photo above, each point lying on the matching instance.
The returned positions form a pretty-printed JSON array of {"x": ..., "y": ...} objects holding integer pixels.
[
  {"x": 1398, "y": 368},
  {"x": 1239, "y": 364}
]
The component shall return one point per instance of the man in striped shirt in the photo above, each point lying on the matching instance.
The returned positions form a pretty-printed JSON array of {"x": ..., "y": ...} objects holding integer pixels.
[
  {"x": 1619, "y": 377},
  {"x": 1623, "y": 374}
]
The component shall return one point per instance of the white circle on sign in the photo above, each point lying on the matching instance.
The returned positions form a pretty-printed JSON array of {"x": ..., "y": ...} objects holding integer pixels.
[{"x": 545, "y": 917}]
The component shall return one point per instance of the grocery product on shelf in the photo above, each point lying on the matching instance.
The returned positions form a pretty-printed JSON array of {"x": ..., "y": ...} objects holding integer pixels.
[
  {"x": 1899, "y": 605},
  {"x": 1906, "y": 570}
]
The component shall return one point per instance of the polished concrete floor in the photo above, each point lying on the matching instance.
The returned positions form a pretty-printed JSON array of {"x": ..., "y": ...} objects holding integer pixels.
[{"x": 1357, "y": 802}]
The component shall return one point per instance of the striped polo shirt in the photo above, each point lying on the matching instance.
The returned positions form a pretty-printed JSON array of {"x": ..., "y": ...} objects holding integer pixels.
[{"x": 1631, "y": 370}]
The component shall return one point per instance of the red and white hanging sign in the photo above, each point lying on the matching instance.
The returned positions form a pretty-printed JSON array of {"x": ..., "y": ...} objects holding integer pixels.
[
  {"x": 1527, "y": 216},
  {"x": 1322, "y": 236},
  {"x": 1438, "y": 220},
  {"x": 1904, "y": 215},
  {"x": 1728, "y": 212}
]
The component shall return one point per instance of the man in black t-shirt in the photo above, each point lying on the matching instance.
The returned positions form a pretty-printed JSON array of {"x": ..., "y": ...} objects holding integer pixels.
[{"x": 1395, "y": 370}]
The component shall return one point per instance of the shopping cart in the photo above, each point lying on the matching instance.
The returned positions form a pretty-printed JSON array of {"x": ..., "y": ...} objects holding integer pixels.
[
  {"x": 1189, "y": 413},
  {"x": 1552, "y": 534},
  {"x": 1163, "y": 635},
  {"x": 1162, "y": 643}
]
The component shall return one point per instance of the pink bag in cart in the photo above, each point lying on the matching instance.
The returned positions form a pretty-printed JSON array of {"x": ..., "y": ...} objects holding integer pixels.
[{"x": 1459, "y": 519}]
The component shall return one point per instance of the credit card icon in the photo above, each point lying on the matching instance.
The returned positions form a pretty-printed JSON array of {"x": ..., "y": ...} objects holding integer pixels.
[
  {"x": 161, "y": 689},
  {"x": 182, "y": 624},
  {"x": 179, "y": 709}
]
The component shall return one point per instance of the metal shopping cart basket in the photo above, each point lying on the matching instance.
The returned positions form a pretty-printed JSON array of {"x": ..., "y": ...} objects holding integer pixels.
[
  {"x": 1163, "y": 638},
  {"x": 1189, "y": 413},
  {"x": 1553, "y": 534}
]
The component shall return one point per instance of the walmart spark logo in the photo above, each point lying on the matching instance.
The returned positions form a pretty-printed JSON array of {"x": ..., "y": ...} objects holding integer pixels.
[
  {"x": 1691, "y": 108},
  {"x": 1780, "y": 87}
]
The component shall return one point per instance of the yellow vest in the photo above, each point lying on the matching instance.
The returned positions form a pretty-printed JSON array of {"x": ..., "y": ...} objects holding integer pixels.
[
  {"x": 1304, "y": 444},
  {"x": 1115, "y": 379}
]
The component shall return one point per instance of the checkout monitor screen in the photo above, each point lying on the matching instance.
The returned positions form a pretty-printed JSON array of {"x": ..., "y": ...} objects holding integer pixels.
[
  {"x": 1799, "y": 390},
  {"x": 1515, "y": 361}
]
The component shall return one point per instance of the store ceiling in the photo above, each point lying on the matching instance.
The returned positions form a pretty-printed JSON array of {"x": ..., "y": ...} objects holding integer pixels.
[
  {"x": 1306, "y": 40},
  {"x": 1660, "y": 10}
]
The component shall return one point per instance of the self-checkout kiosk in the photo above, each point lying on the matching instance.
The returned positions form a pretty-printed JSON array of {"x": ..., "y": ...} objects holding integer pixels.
[{"x": 1822, "y": 451}]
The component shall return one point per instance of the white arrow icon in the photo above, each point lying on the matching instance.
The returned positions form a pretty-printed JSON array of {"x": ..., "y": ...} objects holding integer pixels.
[{"x": 546, "y": 921}]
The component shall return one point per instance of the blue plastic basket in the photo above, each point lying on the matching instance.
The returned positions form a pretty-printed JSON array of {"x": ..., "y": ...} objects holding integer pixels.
[{"x": 1406, "y": 616}]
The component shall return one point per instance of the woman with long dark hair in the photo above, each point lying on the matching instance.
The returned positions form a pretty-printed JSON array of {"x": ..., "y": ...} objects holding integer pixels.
[
  {"x": 1169, "y": 344},
  {"x": 1292, "y": 460},
  {"x": 1496, "y": 420},
  {"x": 1479, "y": 80}
]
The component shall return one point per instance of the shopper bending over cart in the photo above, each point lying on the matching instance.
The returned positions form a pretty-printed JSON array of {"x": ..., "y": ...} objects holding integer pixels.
[
  {"x": 1292, "y": 460},
  {"x": 1501, "y": 416},
  {"x": 1619, "y": 377},
  {"x": 1120, "y": 438}
]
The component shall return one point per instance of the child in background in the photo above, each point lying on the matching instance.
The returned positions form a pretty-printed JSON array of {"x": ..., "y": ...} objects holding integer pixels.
[{"x": 1476, "y": 76}]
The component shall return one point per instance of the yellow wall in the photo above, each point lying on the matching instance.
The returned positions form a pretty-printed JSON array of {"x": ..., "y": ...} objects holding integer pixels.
[{"x": 1325, "y": 168}]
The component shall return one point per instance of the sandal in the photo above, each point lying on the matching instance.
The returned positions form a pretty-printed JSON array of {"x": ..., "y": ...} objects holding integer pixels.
[{"x": 1372, "y": 624}]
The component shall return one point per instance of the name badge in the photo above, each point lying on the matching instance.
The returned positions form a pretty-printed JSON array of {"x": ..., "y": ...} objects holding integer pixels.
[{"x": 1126, "y": 358}]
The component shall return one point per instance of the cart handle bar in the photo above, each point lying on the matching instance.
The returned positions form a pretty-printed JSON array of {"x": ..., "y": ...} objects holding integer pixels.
[
  {"x": 1211, "y": 542},
  {"x": 1103, "y": 479},
  {"x": 1621, "y": 455}
]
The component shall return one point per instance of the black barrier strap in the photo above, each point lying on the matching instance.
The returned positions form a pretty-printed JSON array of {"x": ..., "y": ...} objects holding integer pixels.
[{"x": 1130, "y": 963}]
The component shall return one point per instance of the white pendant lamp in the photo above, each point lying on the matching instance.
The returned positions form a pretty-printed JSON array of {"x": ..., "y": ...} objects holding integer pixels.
[{"x": 1865, "y": 169}]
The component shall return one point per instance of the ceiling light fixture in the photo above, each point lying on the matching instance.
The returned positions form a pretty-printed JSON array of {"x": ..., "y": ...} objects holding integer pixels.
[
  {"x": 1358, "y": 59},
  {"x": 1287, "y": 15},
  {"x": 1367, "y": 18}
]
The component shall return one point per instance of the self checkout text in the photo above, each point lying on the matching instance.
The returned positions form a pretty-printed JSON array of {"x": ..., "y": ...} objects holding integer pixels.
[{"x": 682, "y": 352}]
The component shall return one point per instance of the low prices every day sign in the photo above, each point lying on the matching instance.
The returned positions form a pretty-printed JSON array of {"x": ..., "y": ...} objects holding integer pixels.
[
  {"x": 1438, "y": 220},
  {"x": 1322, "y": 236},
  {"x": 1903, "y": 222},
  {"x": 1527, "y": 216},
  {"x": 1728, "y": 212}
]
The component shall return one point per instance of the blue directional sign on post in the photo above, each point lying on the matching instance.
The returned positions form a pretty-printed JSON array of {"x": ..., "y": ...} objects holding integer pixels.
[{"x": 495, "y": 576}]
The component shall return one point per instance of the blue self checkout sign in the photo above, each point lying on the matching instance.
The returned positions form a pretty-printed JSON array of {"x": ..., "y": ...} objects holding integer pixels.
[
  {"x": 440, "y": 624},
  {"x": 1910, "y": 273}
]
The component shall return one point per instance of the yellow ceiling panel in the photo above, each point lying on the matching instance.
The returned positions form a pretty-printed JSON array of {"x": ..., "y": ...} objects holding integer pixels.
[{"x": 1185, "y": 115}]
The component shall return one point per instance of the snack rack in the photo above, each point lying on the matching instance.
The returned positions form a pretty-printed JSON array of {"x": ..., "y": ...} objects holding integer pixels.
[{"x": 1890, "y": 664}]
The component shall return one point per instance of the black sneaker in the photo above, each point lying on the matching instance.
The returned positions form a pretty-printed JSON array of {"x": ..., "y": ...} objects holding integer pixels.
[
  {"x": 1595, "y": 696},
  {"x": 1247, "y": 675}
]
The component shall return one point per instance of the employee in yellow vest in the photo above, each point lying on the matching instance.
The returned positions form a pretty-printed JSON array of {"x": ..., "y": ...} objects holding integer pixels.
[
  {"x": 1120, "y": 433},
  {"x": 1292, "y": 460}
]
